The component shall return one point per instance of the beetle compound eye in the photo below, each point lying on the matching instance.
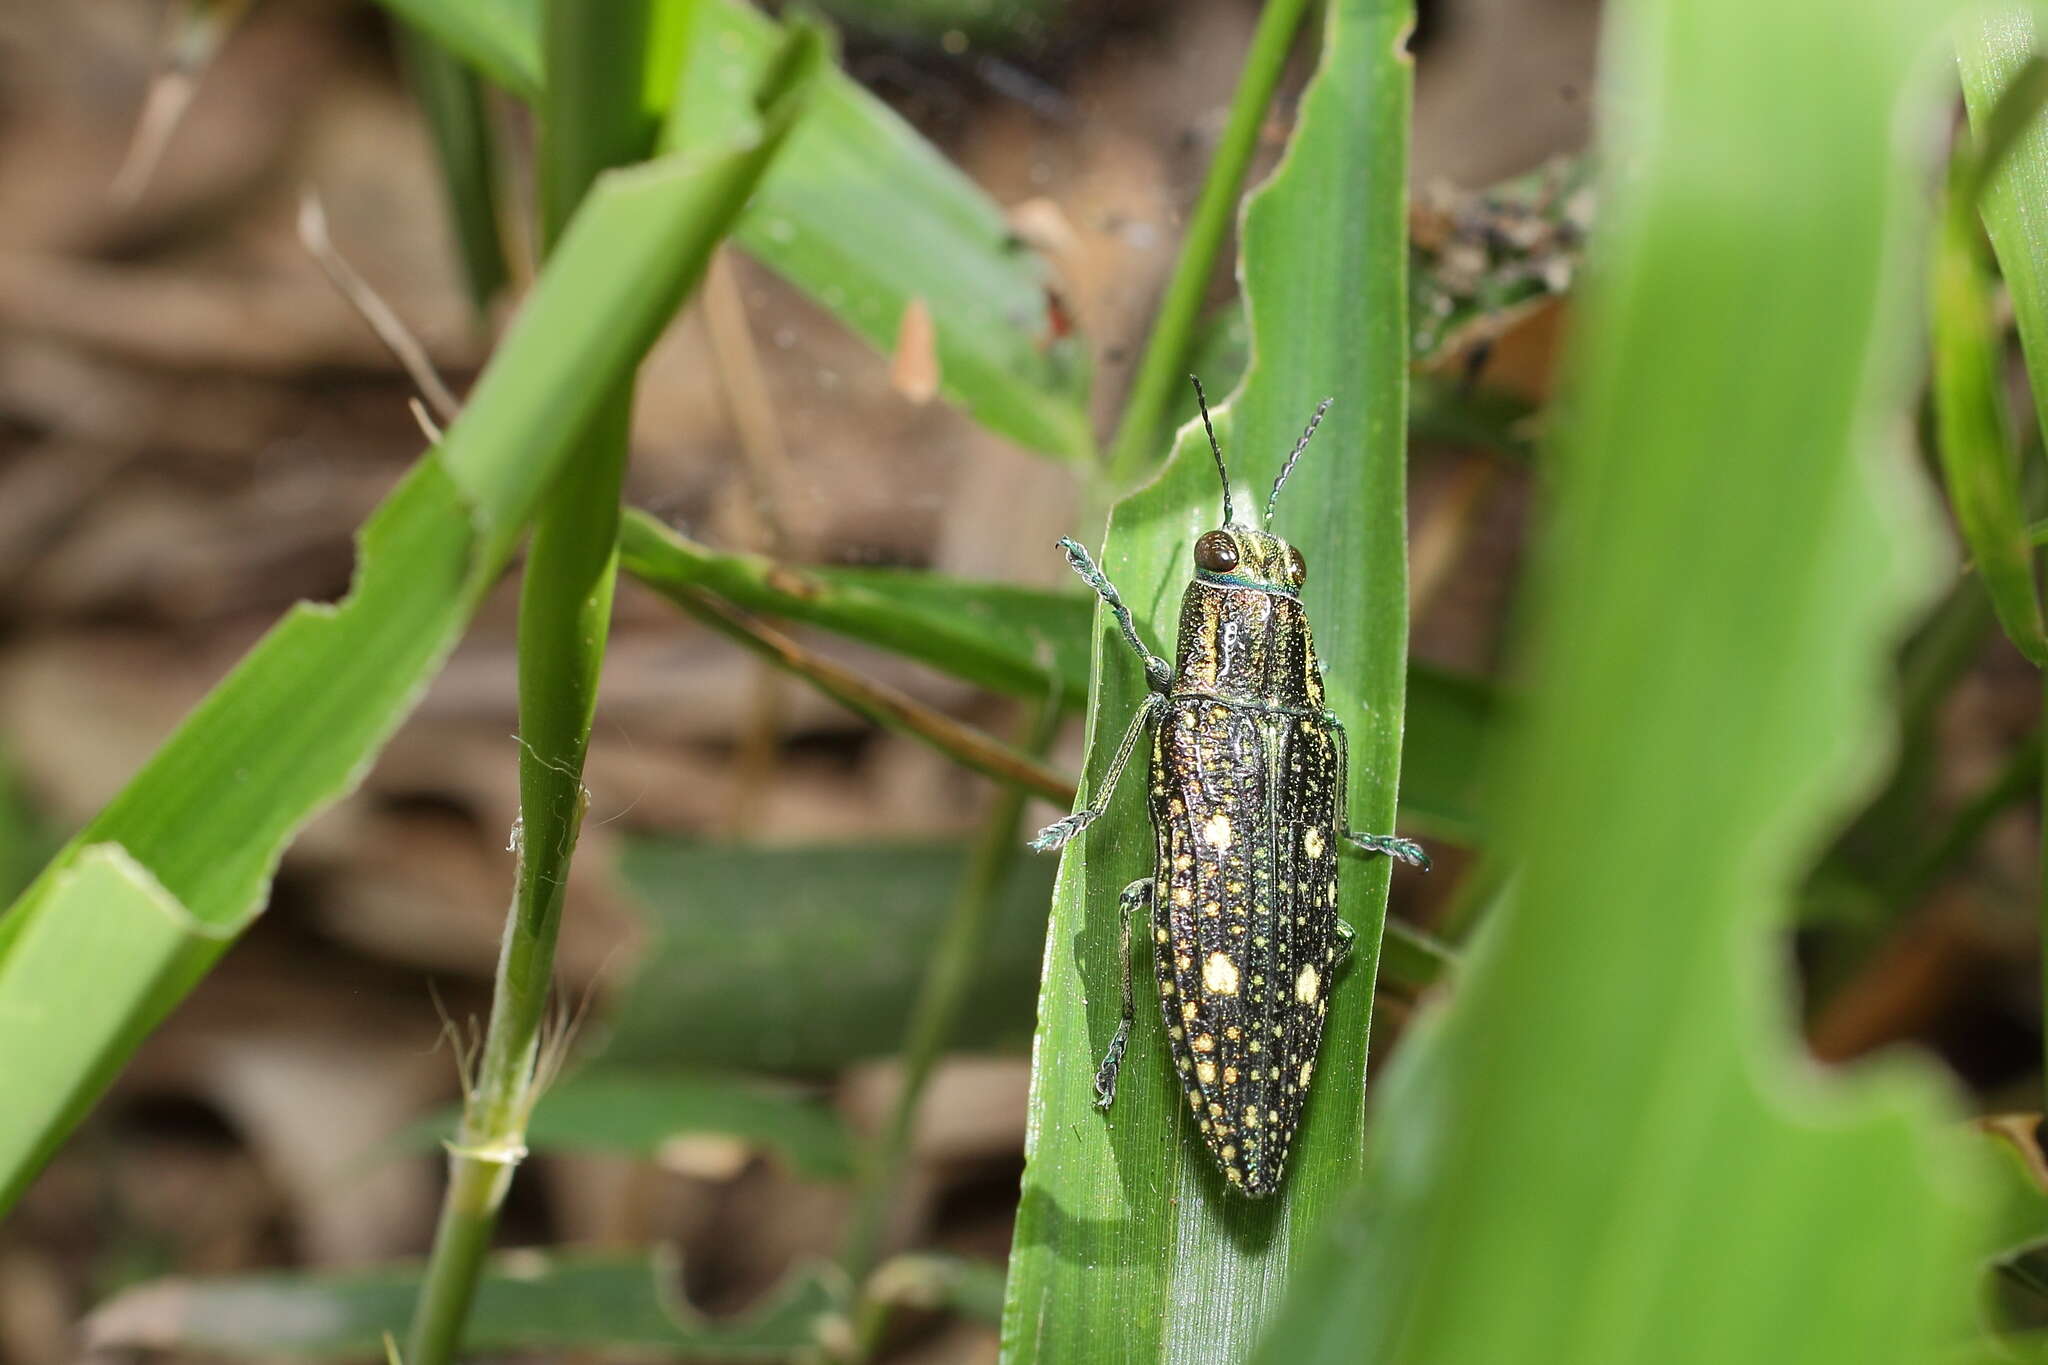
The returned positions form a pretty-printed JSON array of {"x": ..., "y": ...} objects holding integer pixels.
[
  {"x": 1297, "y": 567},
  {"x": 1216, "y": 552}
]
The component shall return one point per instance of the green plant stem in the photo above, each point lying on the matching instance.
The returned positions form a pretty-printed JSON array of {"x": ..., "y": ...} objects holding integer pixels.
[
  {"x": 1160, "y": 372},
  {"x": 941, "y": 998},
  {"x": 594, "y": 118}
]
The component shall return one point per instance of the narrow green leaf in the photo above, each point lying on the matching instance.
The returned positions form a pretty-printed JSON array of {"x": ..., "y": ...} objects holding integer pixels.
[
  {"x": 1994, "y": 47},
  {"x": 1008, "y": 639},
  {"x": 527, "y": 1301},
  {"x": 500, "y": 38},
  {"x": 200, "y": 829},
  {"x": 647, "y": 1112},
  {"x": 1978, "y": 458},
  {"x": 1127, "y": 1234},
  {"x": 451, "y": 98},
  {"x": 1606, "y": 1147}
]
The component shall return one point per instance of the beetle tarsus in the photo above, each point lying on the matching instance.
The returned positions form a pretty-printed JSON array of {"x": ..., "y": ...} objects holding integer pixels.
[
  {"x": 1060, "y": 831},
  {"x": 1406, "y": 850}
]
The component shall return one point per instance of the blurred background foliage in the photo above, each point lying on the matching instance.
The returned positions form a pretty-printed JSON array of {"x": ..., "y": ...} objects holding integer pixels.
[{"x": 790, "y": 1052}]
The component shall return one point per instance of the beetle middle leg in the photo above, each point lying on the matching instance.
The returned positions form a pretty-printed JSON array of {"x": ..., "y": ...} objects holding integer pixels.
[
  {"x": 1133, "y": 897},
  {"x": 1407, "y": 850}
]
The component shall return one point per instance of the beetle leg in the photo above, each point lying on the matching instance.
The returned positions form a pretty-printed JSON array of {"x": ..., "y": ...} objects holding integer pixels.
[
  {"x": 1059, "y": 831},
  {"x": 1158, "y": 672},
  {"x": 1138, "y": 893},
  {"x": 1407, "y": 850}
]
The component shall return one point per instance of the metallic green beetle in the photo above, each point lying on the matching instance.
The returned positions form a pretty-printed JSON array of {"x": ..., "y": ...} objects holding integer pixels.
[{"x": 1247, "y": 799}]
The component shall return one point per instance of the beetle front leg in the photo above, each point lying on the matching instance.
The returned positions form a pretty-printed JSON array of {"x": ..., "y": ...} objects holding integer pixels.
[
  {"x": 1138, "y": 893},
  {"x": 1059, "y": 831},
  {"x": 1158, "y": 672},
  {"x": 1407, "y": 850}
]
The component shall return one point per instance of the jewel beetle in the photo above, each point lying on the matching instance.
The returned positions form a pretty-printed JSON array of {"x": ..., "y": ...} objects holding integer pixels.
[{"x": 1246, "y": 793}]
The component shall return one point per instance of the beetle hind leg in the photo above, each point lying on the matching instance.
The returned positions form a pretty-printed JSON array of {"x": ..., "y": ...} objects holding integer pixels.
[{"x": 1138, "y": 894}]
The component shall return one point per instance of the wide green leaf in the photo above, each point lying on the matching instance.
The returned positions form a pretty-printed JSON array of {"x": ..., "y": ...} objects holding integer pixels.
[
  {"x": 148, "y": 895},
  {"x": 1605, "y": 1148},
  {"x": 526, "y": 1301},
  {"x": 801, "y": 959},
  {"x": 1129, "y": 1246}
]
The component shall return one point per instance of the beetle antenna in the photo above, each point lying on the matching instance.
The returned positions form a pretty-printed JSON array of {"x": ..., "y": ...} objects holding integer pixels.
[
  {"x": 1299, "y": 446},
  {"x": 1202, "y": 400}
]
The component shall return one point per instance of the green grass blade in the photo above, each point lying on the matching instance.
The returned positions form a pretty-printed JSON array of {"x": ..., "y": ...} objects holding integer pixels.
[
  {"x": 1607, "y": 1148},
  {"x": 528, "y": 1301},
  {"x": 1993, "y": 48},
  {"x": 201, "y": 827},
  {"x": 1127, "y": 1240},
  {"x": 1021, "y": 641},
  {"x": 1974, "y": 433},
  {"x": 452, "y": 99},
  {"x": 500, "y": 38}
]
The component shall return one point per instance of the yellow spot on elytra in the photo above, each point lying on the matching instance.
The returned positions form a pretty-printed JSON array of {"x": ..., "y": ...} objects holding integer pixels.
[
  {"x": 1219, "y": 974},
  {"x": 1166, "y": 988},
  {"x": 1182, "y": 862},
  {"x": 1233, "y": 1033},
  {"x": 1204, "y": 1042},
  {"x": 1272, "y": 1116},
  {"x": 1307, "y": 984},
  {"x": 1312, "y": 843},
  {"x": 1230, "y": 1153},
  {"x": 1230, "y": 1075},
  {"x": 1205, "y": 1072},
  {"x": 1212, "y": 909},
  {"x": 1183, "y": 895},
  {"x": 1175, "y": 806},
  {"x": 1159, "y": 934},
  {"x": 1181, "y": 1062},
  {"x": 1306, "y": 1069},
  {"x": 1183, "y": 961},
  {"x": 1236, "y": 1177},
  {"x": 1251, "y": 1116},
  {"x": 1195, "y": 1103},
  {"x": 1215, "y": 1110},
  {"x": 1216, "y": 831},
  {"x": 1252, "y": 1046},
  {"x": 1187, "y": 1009}
]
